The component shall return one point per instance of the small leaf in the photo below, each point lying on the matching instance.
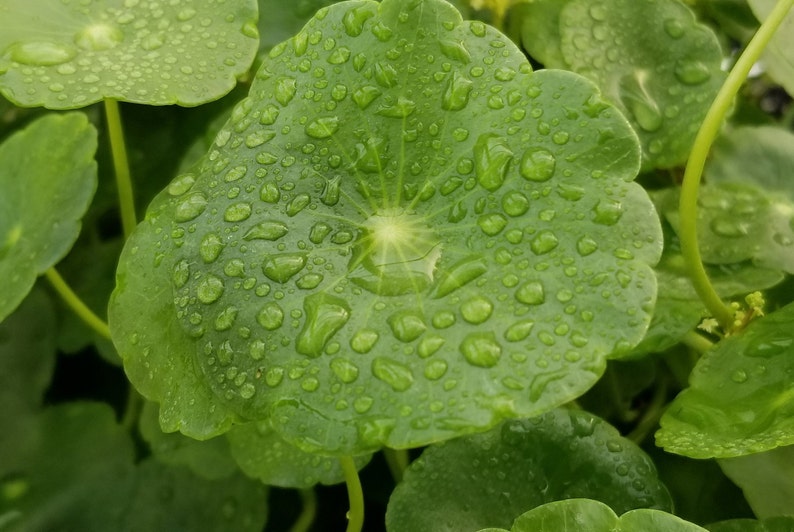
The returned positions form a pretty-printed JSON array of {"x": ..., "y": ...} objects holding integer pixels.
[
  {"x": 72, "y": 54},
  {"x": 740, "y": 399},
  {"x": 767, "y": 480},
  {"x": 778, "y": 57},
  {"x": 487, "y": 479},
  {"x": 48, "y": 178}
]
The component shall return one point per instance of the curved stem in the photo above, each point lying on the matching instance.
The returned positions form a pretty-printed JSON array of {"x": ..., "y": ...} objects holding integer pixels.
[
  {"x": 309, "y": 512},
  {"x": 698, "y": 342},
  {"x": 121, "y": 167},
  {"x": 355, "y": 517},
  {"x": 76, "y": 304},
  {"x": 652, "y": 414},
  {"x": 697, "y": 160},
  {"x": 132, "y": 409},
  {"x": 397, "y": 460}
]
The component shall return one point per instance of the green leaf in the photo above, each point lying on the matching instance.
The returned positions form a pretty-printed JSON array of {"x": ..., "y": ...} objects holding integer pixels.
[
  {"x": 281, "y": 20},
  {"x": 262, "y": 454},
  {"x": 773, "y": 524},
  {"x": 72, "y": 54},
  {"x": 652, "y": 59},
  {"x": 767, "y": 480},
  {"x": 778, "y": 56},
  {"x": 70, "y": 469},
  {"x": 360, "y": 262},
  {"x": 740, "y": 399},
  {"x": 594, "y": 516},
  {"x": 48, "y": 178},
  {"x": 487, "y": 479},
  {"x": 173, "y": 498},
  {"x": 209, "y": 459},
  {"x": 540, "y": 30}
]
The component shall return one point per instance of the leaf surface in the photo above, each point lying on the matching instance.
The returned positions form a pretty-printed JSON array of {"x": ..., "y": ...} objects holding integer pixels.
[
  {"x": 772, "y": 524},
  {"x": 778, "y": 56},
  {"x": 48, "y": 178},
  {"x": 767, "y": 480},
  {"x": 361, "y": 262},
  {"x": 488, "y": 479},
  {"x": 71, "y": 54}
]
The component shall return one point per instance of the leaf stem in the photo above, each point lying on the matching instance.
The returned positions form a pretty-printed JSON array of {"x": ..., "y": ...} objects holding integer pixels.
[
  {"x": 397, "y": 460},
  {"x": 121, "y": 166},
  {"x": 698, "y": 342},
  {"x": 77, "y": 305},
  {"x": 652, "y": 414},
  {"x": 132, "y": 409},
  {"x": 309, "y": 512},
  {"x": 697, "y": 159},
  {"x": 355, "y": 517}
]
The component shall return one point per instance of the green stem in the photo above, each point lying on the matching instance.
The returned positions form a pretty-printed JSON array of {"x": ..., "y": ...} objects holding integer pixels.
[
  {"x": 133, "y": 408},
  {"x": 397, "y": 460},
  {"x": 697, "y": 342},
  {"x": 355, "y": 517},
  {"x": 697, "y": 159},
  {"x": 121, "y": 166},
  {"x": 76, "y": 304},
  {"x": 309, "y": 512},
  {"x": 652, "y": 414}
]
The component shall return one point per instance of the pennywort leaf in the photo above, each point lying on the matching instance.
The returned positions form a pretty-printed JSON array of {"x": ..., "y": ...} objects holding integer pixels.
[
  {"x": 767, "y": 480},
  {"x": 360, "y": 262}
]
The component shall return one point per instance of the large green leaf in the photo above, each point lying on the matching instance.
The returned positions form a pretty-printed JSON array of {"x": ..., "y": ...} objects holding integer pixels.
[
  {"x": 653, "y": 59},
  {"x": 402, "y": 235},
  {"x": 594, "y": 516},
  {"x": 767, "y": 480},
  {"x": 741, "y": 395},
  {"x": 773, "y": 524},
  {"x": 48, "y": 176},
  {"x": 779, "y": 54},
  {"x": 488, "y": 479},
  {"x": 73, "y": 53}
]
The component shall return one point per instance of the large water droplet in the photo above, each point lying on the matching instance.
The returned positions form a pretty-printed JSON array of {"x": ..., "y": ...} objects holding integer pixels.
[
  {"x": 407, "y": 325},
  {"x": 515, "y": 203},
  {"x": 492, "y": 224},
  {"x": 344, "y": 369},
  {"x": 519, "y": 330},
  {"x": 365, "y": 95},
  {"x": 435, "y": 369},
  {"x": 456, "y": 93},
  {"x": 481, "y": 349},
  {"x": 607, "y": 212},
  {"x": 271, "y": 316},
  {"x": 331, "y": 190},
  {"x": 639, "y": 102},
  {"x": 237, "y": 212},
  {"x": 455, "y": 50},
  {"x": 182, "y": 184},
  {"x": 190, "y": 207},
  {"x": 429, "y": 345},
  {"x": 325, "y": 315},
  {"x": 729, "y": 227},
  {"x": 297, "y": 204},
  {"x": 286, "y": 87},
  {"x": 364, "y": 340},
  {"x": 538, "y": 164},
  {"x": 544, "y": 242},
  {"x": 674, "y": 28},
  {"x": 402, "y": 108},
  {"x": 586, "y": 245},
  {"x": 282, "y": 267},
  {"x": 98, "y": 37},
  {"x": 267, "y": 230},
  {"x": 322, "y": 128},
  {"x": 492, "y": 155},
  {"x": 692, "y": 72},
  {"x": 476, "y": 310},
  {"x": 41, "y": 53},
  {"x": 531, "y": 293},
  {"x": 460, "y": 274},
  {"x": 209, "y": 289},
  {"x": 393, "y": 373},
  {"x": 354, "y": 20}
]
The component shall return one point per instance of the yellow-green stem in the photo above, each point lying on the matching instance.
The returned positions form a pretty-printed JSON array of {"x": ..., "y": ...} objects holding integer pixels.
[
  {"x": 121, "y": 167},
  {"x": 698, "y": 342},
  {"x": 355, "y": 516},
  {"x": 76, "y": 304},
  {"x": 308, "y": 513},
  {"x": 397, "y": 460},
  {"x": 697, "y": 159}
]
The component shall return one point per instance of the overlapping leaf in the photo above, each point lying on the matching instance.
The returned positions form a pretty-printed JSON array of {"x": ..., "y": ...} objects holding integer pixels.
[
  {"x": 402, "y": 235},
  {"x": 48, "y": 176},
  {"x": 779, "y": 54},
  {"x": 741, "y": 395},
  {"x": 773, "y": 524},
  {"x": 767, "y": 480},
  {"x": 71, "y": 54},
  {"x": 488, "y": 479}
]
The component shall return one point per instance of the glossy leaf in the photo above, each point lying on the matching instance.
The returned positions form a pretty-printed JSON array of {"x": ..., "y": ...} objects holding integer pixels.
[
  {"x": 48, "y": 178},
  {"x": 653, "y": 59},
  {"x": 405, "y": 277},
  {"x": 741, "y": 395},
  {"x": 778, "y": 56},
  {"x": 262, "y": 454},
  {"x": 773, "y": 524},
  {"x": 767, "y": 480},
  {"x": 488, "y": 479},
  {"x": 71, "y": 54}
]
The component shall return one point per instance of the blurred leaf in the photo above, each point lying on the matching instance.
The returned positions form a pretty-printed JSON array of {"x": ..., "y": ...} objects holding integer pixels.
[
  {"x": 767, "y": 480},
  {"x": 773, "y": 524},
  {"x": 778, "y": 56}
]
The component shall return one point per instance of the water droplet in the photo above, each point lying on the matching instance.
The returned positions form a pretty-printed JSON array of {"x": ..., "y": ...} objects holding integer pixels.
[
  {"x": 739, "y": 376},
  {"x": 443, "y": 319},
  {"x": 393, "y": 373},
  {"x": 364, "y": 340},
  {"x": 519, "y": 330},
  {"x": 269, "y": 192},
  {"x": 362, "y": 404},
  {"x": 492, "y": 224},
  {"x": 692, "y": 72},
  {"x": 586, "y": 245},
  {"x": 429, "y": 345},
  {"x": 354, "y": 20},
  {"x": 607, "y": 212},
  {"x": 282, "y": 267},
  {"x": 181, "y": 273},
  {"x": 234, "y": 268},
  {"x": 271, "y": 316},
  {"x": 481, "y": 349},
  {"x": 322, "y": 128},
  {"x": 476, "y": 310},
  {"x": 237, "y": 212},
  {"x": 319, "y": 231},
  {"x": 344, "y": 369},
  {"x": 728, "y": 227},
  {"x": 310, "y": 281},
  {"x": 267, "y": 230},
  {"x": 339, "y": 56},
  {"x": 210, "y": 248},
  {"x": 544, "y": 242},
  {"x": 538, "y": 164},
  {"x": 98, "y": 37},
  {"x": 274, "y": 376},
  {"x": 181, "y": 185},
  {"x": 456, "y": 93},
  {"x": 385, "y": 75},
  {"x": 407, "y": 325},
  {"x": 639, "y": 102},
  {"x": 598, "y": 12},
  {"x": 225, "y": 320},
  {"x": 247, "y": 390},
  {"x": 330, "y": 193},
  {"x": 492, "y": 155},
  {"x": 41, "y": 53},
  {"x": 325, "y": 315},
  {"x": 286, "y": 87},
  {"x": 402, "y": 108},
  {"x": 515, "y": 203},
  {"x": 460, "y": 274},
  {"x": 455, "y": 50},
  {"x": 209, "y": 289},
  {"x": 190, "y": 207},
  {"x": 435, "y": 369},
  {"x": 365, "y": 95},
  {"x": 674, "y": 28},
  {"x": 560, "y": 137},
  {"x": 531, "y": 293},
  {"x": 297, "y": 204}
]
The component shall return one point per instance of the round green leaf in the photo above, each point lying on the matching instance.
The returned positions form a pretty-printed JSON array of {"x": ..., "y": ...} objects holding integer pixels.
[
  {"x": 540, "y": 30},
  {"x": 488, "y": 479},
  {"x": 767, "y": 480},
  {"x": 773, "y": 524},
  {"x": 594, "y": 516},
  {"x": 360, "y": 262},
  {"x": 262, "y": 454},
  {"x": 48, "y": 178},
  {"x": 778, "y": 58},
  {"x": 73, "y": 53},
  {"x": 741, "y": 395}
]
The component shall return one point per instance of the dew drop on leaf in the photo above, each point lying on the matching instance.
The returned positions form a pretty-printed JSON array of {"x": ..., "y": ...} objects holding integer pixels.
[
  {"x": 481, "y": 349},
  {"x": 538, "y": 164}
]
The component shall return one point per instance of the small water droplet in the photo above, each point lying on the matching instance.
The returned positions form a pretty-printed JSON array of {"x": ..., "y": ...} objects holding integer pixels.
[
  {"x": 226, "y": 318},
  {"x": 460, "y": 274},
  {"x": 729, "y": 227},
  {"x": 319, "y": 232},
  {"x": 739, "y": 376},
  {"x": 492, "y": 155},
  {"x": 515, "y": 203},
  {"x": 538, "y": 165},
  {"x": 443, "y": 319},
  {"x": 586, "y": 245},
  {"x": 639, "y": 102},
  {"x": 456, "y": 93},
  {"x": 674, "y": 28},
  {"x": 41, "y": 53},
  {"x": 455, "y": 50},
  {"x": 281, "y": 267},
  {"x": 297, "y": 204},
  {"x": 397, "y": 375},
  {"x": 331, "y": 190},
  {"x": 481, "y": 349},
  {"x": 325, "y": 315},
  {"x": 210, "y": 248},
  {"x": 362, "y": 404},
  {"x": 407, "y": 325},
  {"x": 476, "y": 310},
  {"x": 271, "y": 316},
  {"x": 181, "y": 274},
  {"x": 364, "y": 340},
  {"x": 429, "y": 345},
  {"x": 544, "y": 242},
  {"x": 98, "y": 37},
  {"x": 435, "y": 369},
  {"x": 344, "y": 369},
  {"x": 209, "y": 289},
  {"x": 237, "y": 212},
  {"x": 190, "y": 207},
  {"x": 492, "y": 224},
  {"x": 365, "y": 95},
  {"x": 607, "y": 212},
  {"x": 267, "y": 230},
  {"x": 274, "y": 376},
  {"x": 181, "y": 185},
  {"x": 531, "y": 293},
  {"x": 519, "y": 330},
  {"x": 322, "y": 128},
  {"x": 286, "y": 87},
  {"x": 692, "y": 72}
]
